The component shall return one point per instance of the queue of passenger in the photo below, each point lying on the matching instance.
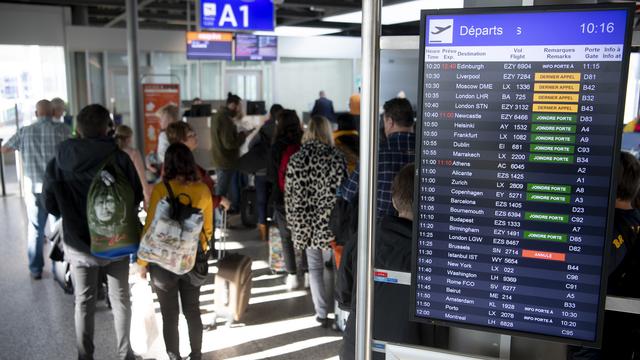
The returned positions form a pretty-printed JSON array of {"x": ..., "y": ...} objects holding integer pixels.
[{"x": 306, "y": 181}]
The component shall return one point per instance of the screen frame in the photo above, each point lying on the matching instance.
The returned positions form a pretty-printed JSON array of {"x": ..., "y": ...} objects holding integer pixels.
[
  {"x": 630, "y": 9},
  {"x": 244, "y": 58}
]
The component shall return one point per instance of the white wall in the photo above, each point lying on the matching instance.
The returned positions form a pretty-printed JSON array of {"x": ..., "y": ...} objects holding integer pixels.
[
  {"x": 399, "y": 72},
  {"x": 320, "y": 47},
  {"x": 91, "y": 38},
  {"x": 32, "y": 25},
  {"x": 298, "y": 81}
]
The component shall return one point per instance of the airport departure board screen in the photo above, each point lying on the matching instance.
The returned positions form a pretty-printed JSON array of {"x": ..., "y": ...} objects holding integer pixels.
[
  {"x": 256, "y": 47},
  {"x": 209, "y": 46},
  {"x": 519, "y": 132}
]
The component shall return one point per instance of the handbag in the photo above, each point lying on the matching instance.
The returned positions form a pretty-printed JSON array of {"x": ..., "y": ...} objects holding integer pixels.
[
  {"x": 144, "y": 329},
  {"x": 198, "y": 275}
]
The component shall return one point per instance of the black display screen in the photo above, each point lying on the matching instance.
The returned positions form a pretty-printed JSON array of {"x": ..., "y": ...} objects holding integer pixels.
[
  {"x": 209, "y": 46},
  {"x": 518, "y": 139}
]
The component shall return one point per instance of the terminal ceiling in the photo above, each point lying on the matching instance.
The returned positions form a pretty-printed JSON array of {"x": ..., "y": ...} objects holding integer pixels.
[{"x": 172, "y": 14}]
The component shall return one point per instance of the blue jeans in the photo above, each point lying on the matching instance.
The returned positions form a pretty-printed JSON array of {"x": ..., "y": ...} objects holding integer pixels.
[
  {"x": 224, "y": 178},
  {"x": 223, "y": 181},
  {"x": 37, "y": 217},
  {"x": 261, "y": 198}
]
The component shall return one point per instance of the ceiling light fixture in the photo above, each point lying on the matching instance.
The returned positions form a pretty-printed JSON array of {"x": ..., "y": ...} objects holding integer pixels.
[
  {"x": 399, "y": 13},
  {"x": 298, "y": 31}
]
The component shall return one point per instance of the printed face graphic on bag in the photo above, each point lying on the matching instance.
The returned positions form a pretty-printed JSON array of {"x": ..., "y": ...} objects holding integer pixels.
[
  {"x": 105, "y": 208},
  {"x": 106, "y": 214}
]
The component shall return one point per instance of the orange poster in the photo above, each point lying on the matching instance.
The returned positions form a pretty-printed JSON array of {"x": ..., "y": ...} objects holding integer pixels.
[{"x": 154, "y": 98}]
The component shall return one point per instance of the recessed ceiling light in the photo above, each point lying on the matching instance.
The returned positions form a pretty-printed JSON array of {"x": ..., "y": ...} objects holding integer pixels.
[
  {"x": 399, "y": 13},
  {"x": 299, "y": 31}
]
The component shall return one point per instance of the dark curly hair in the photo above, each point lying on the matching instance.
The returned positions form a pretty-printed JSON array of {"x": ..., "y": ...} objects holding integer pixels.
[{"x": 180, "y": 164}]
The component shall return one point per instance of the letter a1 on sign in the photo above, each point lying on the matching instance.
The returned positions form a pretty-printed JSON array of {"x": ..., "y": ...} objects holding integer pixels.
[{"x": 237, "y": 15}]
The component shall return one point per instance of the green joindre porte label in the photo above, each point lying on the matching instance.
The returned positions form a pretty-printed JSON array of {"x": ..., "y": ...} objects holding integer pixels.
[
  {"x": 545, "y": 236},
  {"x": 556, "y": 218},
  {"x": 553, "y": 128},
  {"x": 563, "y": 149},
  {"x": 551, "y": 158},
  {"x": 548, "y": 138},
  {"x": 549, "y": 198},
  {"x": 552, "y": 188},
  {"x": 536, "y": 117}
]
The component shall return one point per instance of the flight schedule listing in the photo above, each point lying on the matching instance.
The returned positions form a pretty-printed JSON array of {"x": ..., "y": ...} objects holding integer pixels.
[{"x": 519, "y": 121}]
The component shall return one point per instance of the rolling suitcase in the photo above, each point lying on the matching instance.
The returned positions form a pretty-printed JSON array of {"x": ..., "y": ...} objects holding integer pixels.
[
  {"x": 232, "y": 287},
  {"x": 276, "y": 258},
  {"x": 248, "y": 207},
  {"x": 60, "y": 269}
]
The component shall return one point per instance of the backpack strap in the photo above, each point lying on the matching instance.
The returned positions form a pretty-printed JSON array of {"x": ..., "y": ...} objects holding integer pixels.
[
  {"x": 169, "y": 189},
  {"x": 172, "y": 198},
  {"x": 174, "y": 201}
]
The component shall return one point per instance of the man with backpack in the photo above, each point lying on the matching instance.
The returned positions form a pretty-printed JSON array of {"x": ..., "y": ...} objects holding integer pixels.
[
  {"x": 621, "y": 330},
  {"x": 70, "y": 180}
]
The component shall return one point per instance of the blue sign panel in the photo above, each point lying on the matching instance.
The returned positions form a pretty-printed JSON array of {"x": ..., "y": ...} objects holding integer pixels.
[
  {"x": 237, "y": 15},
  {"x": 543, "y": 28}
]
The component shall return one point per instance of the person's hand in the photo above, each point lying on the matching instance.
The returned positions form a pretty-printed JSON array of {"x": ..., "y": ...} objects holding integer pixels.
[
  {"x": 142, "y": 271},
  {"x": 225, "y": 203}
]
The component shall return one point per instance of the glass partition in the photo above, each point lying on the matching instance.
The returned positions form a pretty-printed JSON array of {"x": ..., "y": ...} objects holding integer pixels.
[{"x": 28, "y": 74}]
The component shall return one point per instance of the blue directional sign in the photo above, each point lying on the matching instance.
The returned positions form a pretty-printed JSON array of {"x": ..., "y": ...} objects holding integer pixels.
[{"x": 237, "y": 15}]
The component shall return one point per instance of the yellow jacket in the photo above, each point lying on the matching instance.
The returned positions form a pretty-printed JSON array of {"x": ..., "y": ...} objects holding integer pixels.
[{"x": 200, "y": 198}]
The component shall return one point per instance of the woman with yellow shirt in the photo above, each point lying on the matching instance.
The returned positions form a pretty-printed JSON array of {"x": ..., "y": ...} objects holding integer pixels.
[{"x": 181, "y": 171}]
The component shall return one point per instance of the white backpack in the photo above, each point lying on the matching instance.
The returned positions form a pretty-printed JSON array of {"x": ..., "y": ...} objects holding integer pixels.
[{"x": 172, "y": 240}]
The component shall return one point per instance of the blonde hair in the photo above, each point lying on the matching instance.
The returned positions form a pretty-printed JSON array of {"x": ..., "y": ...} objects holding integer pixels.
[
  {"x": 319, "y": 129},
  {"x": 171, "y": 111},
  {"x": 122, "y": 135}
]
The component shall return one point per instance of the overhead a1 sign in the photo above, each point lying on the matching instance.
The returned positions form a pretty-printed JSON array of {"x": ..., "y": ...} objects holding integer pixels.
[{"x": 237, "y": 15}]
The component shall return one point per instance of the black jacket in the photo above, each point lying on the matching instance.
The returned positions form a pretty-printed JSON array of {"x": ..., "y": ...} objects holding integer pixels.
[
  {"x": 67, "y": 181},
  {"x": 324, "y": 107},
  {"x": 256, "y": 159},
  {"x": 392, "y": 308},
  {"x": 277, "y": 196}
]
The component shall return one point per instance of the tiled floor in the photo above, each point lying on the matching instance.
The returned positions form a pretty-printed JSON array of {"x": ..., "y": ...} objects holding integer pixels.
[{"x": 36, "y": 317}]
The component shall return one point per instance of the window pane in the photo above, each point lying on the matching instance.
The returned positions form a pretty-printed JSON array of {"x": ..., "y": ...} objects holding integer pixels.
[
  {"x": 28, "y": 74},
  {"x": 96, "y": 78},
  {"x": 211, "y": 81}
]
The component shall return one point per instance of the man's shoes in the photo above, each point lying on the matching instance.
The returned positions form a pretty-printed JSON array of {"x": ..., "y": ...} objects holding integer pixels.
[
  {"x": 36, "y": 275},
  {"x": 324, "y": 322},
  {"x": 194, "y": 357}
]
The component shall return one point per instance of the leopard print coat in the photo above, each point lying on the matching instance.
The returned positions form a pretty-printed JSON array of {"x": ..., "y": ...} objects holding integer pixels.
[{"x": 313, "y": 176}]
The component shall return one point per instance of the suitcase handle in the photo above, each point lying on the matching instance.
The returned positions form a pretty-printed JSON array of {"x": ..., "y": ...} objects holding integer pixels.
[{"x": 223, "y": 235}]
